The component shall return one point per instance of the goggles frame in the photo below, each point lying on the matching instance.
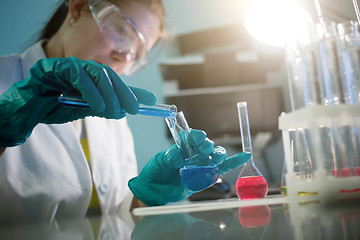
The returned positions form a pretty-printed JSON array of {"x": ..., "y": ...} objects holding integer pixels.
[{"x": 101, "y": 10}]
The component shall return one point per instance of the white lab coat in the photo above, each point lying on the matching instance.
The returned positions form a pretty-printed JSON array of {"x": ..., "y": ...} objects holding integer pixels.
[{"x": 48, "y": 177}]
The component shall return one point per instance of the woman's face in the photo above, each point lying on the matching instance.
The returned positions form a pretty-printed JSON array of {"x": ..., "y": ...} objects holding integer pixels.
[{"x": 84, "y": 39}]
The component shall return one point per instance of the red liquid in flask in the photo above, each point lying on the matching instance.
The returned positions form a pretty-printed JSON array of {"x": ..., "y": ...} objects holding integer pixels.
[
  {"x": 254, "y": 216},
  {"x": 251, "y": 187}
]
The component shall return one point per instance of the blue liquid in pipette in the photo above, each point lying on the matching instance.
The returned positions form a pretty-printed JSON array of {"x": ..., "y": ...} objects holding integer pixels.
[
  {"x": 156, "y": 111},
  {"x": 197, "y": 178}
]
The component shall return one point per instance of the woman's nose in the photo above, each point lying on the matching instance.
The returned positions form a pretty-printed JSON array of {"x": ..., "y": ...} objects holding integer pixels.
[{"x": 122, "y": 57}]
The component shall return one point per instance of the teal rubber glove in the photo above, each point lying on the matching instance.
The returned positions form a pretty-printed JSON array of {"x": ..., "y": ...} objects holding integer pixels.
[
  {"x": 35, "y": 99},
  {"x": 159, "y": 181}
]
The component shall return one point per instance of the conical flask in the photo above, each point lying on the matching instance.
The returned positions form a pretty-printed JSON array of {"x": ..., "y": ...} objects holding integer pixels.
[{"x": 251, "y": 183}]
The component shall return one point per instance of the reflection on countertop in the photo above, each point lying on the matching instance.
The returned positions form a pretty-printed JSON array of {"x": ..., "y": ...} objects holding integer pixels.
[{"x": 291, "y": 219}]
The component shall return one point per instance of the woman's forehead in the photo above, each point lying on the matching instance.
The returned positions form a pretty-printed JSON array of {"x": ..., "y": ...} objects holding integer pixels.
[{"x": 145, "y": 21}]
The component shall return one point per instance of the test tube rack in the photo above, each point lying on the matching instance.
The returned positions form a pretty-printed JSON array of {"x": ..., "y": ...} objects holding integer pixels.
[{"x": 320, "y": 181}]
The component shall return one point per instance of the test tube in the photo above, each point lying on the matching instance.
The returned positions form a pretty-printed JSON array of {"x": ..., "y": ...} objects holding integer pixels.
[
  {"x": 301, "y": 69},
  {"x": 158, "y": 110},
  {"x": 349, "y": 36},
  {"x": 319, "y": 13},
  {"x": 333, "y": 61},
  {"x": 195, "y": 178}
]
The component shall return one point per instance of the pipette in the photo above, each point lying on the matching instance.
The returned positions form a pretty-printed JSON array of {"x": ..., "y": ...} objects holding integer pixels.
[
  {"x": 356, "y": 7},
  {"x": 319, "y": 13},
  {"x": 158, "y": 110}
]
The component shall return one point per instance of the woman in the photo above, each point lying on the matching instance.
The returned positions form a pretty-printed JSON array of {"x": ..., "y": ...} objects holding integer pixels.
[{"x": 45, "y": 173}]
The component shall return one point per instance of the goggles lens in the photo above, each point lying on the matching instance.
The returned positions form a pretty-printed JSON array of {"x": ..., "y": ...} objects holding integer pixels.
[{"x": 121, "y": 33}]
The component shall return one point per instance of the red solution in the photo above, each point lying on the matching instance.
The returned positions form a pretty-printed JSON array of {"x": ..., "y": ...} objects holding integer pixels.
[
  {"x": 254, "y": 216},
  {"x": 345, "y": 172},
  {"x": 251, "y": 187}
]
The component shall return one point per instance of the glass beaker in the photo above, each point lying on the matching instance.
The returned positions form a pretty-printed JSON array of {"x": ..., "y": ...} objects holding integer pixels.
[
  {"x": 250, "y": 183},
  {"x": 195, "y": 178}
]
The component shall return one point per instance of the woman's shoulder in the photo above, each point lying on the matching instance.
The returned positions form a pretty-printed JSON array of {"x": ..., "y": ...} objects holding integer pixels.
[
  {"x": 9, "y": 60},
  {"x": 10, "y": 71}
]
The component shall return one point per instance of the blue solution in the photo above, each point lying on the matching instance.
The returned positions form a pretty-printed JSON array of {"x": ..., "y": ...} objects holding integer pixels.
[
  {"x": 156, "y": 110},
  {"x": 197, "y": 178}
]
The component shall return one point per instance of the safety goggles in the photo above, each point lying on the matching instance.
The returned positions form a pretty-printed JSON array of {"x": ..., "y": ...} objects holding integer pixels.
[{"x": 121, "y": 33}]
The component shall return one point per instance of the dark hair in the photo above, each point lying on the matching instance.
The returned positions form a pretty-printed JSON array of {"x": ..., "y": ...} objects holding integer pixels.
[{"x": 55, "y": 21}]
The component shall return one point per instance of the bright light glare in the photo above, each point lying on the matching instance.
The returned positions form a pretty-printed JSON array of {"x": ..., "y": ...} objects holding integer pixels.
[{"x": 272, "y": 22}]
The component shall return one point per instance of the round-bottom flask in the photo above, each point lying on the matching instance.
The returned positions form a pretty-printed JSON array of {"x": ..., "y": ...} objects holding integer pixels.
[
  {"x": 198, "y": 178},
  {"x": 195, "y": 178},
  {"x": 251, "y": 183}
]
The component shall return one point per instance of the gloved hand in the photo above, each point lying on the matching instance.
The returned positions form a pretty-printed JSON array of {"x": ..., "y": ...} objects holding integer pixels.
[
  {"x": 159, "y": 182},
  {"x": 35, "y": 99}
]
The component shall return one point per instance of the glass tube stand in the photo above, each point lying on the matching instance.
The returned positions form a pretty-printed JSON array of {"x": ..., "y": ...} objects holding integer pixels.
[
  {"x": 320, "y": 134},
  {"x": 329, "y": 184}
]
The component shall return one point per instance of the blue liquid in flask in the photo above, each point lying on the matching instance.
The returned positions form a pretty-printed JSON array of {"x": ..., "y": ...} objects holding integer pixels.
[{"x": 197, "y": 178}]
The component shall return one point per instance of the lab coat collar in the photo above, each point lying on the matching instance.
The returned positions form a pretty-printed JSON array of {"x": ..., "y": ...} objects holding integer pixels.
[{"x": 31, "y": 56}]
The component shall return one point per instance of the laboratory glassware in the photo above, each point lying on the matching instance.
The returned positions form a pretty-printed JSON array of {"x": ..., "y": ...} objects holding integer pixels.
[
  {"x": 301, "y": 68},
  {"x": 319, "y": 12},
  {"x": 335, "y": 61},
  {"x": 193, "y": 177},
  {"x": 356, "y": 8},
  {"x": 349, "y": 36},
  {"x": 158, "y": 110},
  {"x": 254, "y": 216},
  {"x": 328, "y": 63},
  {"x": 321, "y": 142},
  {"x": 74, "y": 99},
  {"x": 251, "y": 183},
  {"x": 301, "y": 63},
  {"x": 283, "y": 181},
  {"x": 349, "y": 47}
]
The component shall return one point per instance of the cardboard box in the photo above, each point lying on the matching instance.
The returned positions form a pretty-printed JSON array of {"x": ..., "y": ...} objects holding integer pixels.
[
  {"x": 220, "y": 69},
  {"x": 214, "y": 110},
  {"x": 187, "y": 75}
]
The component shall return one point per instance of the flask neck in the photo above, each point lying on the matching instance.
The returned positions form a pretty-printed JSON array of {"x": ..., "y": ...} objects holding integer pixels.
[{"x": 250, "y": 169}]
